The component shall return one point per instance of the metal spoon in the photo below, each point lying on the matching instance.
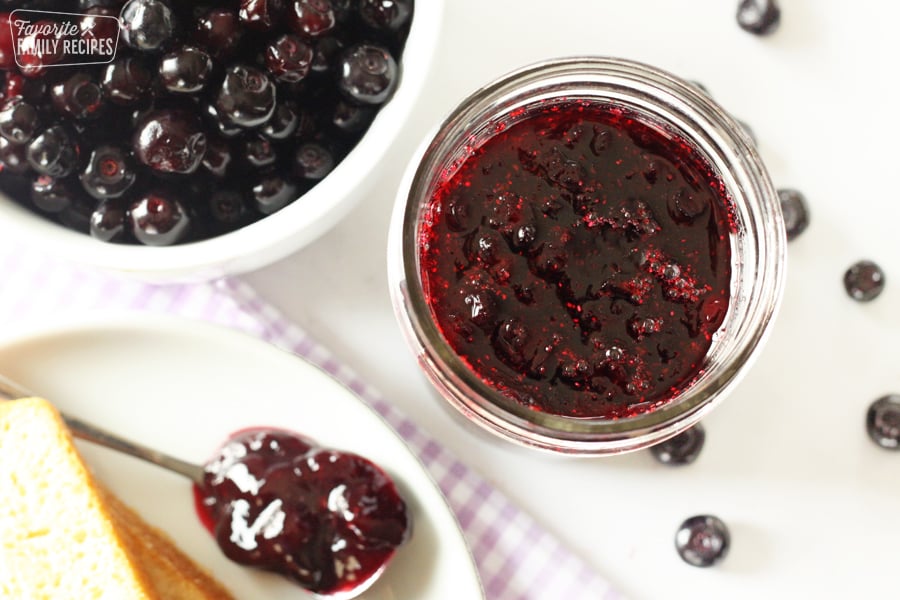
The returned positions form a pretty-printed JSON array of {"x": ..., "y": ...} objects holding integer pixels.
[{"x": 10, "y": 390}]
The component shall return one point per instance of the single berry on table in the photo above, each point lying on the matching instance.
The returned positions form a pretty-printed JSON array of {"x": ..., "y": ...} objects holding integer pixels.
[
  {"x": 682, "y": 449},
  {"x": 702, "y": 541},
  {"x": 760, "y": 17},
  {"x": 795, "y": 211},
  {"x": 883, "y": 422},
  {"x": 864, "y": 281}
]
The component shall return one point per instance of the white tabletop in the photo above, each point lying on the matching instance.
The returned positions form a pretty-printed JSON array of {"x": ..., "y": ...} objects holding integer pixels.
[{"x": 811, "y": 502}]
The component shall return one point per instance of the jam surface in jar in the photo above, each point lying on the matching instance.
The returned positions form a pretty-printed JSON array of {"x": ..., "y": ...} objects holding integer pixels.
[{"x": 579, "y": 259}]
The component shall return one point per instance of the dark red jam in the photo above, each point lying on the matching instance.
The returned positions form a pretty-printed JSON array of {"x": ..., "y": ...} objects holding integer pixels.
[
  {"x": 579, "y": 260},
  {"x": 329, "y": 520}
]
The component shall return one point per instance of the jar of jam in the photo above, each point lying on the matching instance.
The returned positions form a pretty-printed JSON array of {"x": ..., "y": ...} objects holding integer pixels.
[{"x": 587, "y": 255}]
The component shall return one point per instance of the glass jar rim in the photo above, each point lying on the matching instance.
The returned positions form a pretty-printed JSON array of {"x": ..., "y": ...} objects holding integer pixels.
[{"x": 694, "y": 115}]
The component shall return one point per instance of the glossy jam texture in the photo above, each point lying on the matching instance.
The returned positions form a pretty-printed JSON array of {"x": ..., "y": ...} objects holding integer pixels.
[
  {"x": 275, "y": 500},
  {"x": 579, "y": 260}
]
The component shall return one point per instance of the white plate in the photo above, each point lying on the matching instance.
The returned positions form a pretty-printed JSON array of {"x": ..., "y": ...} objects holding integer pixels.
[{"x": 184, "y": 387}]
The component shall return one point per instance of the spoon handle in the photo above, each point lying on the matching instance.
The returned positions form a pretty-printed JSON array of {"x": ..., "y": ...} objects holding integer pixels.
[{"x": 11, "y": 390}]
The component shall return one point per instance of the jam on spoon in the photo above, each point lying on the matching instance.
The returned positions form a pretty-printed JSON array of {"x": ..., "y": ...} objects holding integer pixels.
[{"x": 329, "y": 520}]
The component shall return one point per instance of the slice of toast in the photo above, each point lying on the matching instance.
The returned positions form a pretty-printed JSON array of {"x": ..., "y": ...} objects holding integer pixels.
[{"x": 64, "y": 537}]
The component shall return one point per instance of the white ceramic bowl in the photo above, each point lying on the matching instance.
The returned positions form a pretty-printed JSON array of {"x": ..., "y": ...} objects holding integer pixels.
[{"x": 274, "y": 237}]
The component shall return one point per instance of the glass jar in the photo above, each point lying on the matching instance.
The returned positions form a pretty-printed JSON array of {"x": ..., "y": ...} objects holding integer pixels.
[{"x": 756, "y": 239}]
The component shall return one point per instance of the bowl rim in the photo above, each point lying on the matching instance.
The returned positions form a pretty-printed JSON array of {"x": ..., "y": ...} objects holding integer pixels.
[{"x": 269, "y": 239}]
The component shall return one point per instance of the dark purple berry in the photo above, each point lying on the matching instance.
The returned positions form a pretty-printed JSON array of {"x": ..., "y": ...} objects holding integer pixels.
[
  {"x": 219, "y": 31},
  {"x": 864, "y": 281},
  {"x": 368, "y": 74},
  {"x": 19, "y": 121},
  {"x": 259, "y": 151},
  {"x": 156, "y": 219},
  {"x": 109, "y": 173},
  {"x": 50, "y": 195},
  {"x": 311, "y": 18},
  {"x": 289, "y": 58},
  {"x": 327, "y": 54},
  {"x": 222, "y": 123},
  {"x": 313, "y": 161},
  {"x": 524, "y": 236},
  {"x": 77, "y": 216},
  {"x": 79, "y": 97},
  {"x": 100, "y": 23},
  {"x": 170, "y": 141},
  {"x": 39, "y": 50},
  {"x": 13, "y": 157},
  {"x": 760, "y": 17},
  {"x": 261, "y": 14},
  {"x": 682, "y": 449},
  {"x": 385, "y": 15},
  {"x": 685, "y": 206},
  {"x": 702, "y": 541},
  {"x": 795, "y": 211},
  {"x": 883, "y": 422},
  {"x": 53, "y": 153},
  {"x": 273, "y": 193},
  {"x": 351, "y": 118},
  {"x": 186, "y": 70},
  {"x": 147, "y": 25},
  {"x": 227, "y": 207},
  {"x": 283, "y": 122},
  {"x": 217, "y": 157},
  {"x": 247, "y": 96},
  {"x": 108, "y": 221},
  {"x": 126, "y": 81}
]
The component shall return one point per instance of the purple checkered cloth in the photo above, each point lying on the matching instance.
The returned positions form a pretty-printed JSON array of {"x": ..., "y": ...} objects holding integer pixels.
[{"x": 516, "y": 558}]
